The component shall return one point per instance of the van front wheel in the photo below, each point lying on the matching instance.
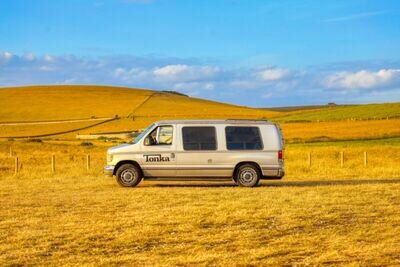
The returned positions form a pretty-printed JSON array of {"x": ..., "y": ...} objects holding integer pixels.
[
  {"x": 128, "y": 175},
  {"x": 247, "y": 175}
]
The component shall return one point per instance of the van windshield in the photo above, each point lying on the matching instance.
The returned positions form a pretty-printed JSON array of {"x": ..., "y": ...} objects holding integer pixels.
[{"x": 143, "y": 133}]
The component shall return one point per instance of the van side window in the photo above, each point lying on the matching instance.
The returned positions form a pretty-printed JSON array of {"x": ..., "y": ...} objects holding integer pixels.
[
  {"x": 161, "y": 135},
  {"x": 199, "y": 138},
  {"x": 243, "y": 138}
]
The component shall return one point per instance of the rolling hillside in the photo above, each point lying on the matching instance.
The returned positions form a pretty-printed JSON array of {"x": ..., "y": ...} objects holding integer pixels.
[
  {"x": 134, "y": 108},
  {"x": 41, "y": 103},
  {"x": 339, "y": 113},
  {"x": 64, "y": 111}
]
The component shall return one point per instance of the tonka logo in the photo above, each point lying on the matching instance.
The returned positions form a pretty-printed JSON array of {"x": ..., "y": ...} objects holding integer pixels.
[{"x": 155, "y": 158}]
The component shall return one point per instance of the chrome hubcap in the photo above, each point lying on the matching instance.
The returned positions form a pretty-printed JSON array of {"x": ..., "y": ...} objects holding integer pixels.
[
  {"x": 128, "y": 176},
  {"x": 247, "y": 175}
]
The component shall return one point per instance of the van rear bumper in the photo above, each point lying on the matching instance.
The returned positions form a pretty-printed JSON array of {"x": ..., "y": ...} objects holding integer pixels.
[
  {"x": 108, "y": 170},
  {"x": 273, "y": 173}
]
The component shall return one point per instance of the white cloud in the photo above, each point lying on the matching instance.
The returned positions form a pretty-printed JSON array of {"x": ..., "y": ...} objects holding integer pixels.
[
  {"x": 168, "y": 74},
  {"x": 131, "y": 75},
  {"x": 272, "y": 74},
  {"x": 182, "y": 72},
  {"x": 362, "y": 79},
  {"x": 245, "y": 85},
  {"x": 190, "y": 86},
  {"x": 47, "y": 68},
  {"x": 119, "y": 72},
  {"x": 209, "y": 86},
  {"x": 170, "y": 70},
  {"x": 185, "y": 78},
  {"x": 5, "y": 56},
  {"x": 28, "y": 56},
  {"x": 48, "y": 58}
]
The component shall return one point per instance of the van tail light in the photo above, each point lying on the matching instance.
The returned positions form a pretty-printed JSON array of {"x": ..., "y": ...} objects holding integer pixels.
[{"x": 280, "y": 155}]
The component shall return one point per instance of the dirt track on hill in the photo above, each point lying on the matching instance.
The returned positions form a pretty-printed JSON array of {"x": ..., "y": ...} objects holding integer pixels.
[
  {"x": 50, "y": 122},
  {"x": 62, "y": 132}
]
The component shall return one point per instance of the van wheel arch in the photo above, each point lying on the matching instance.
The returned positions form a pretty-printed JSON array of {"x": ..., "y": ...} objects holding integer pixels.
[
  {"x": 119, "y": 164},
  {"x": 243, "y": 163}
]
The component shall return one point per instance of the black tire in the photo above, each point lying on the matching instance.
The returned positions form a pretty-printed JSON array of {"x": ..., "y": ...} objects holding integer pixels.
[
  {"x": 128, "y": 175},
  {"x": 247, "y": 175}
]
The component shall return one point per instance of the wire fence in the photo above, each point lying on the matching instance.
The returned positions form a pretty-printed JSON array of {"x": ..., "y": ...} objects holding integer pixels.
[{"x": 365, "y": 161}]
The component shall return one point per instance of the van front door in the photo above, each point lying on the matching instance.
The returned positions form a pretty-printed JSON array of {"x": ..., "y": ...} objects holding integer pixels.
[{"x": 158, "y": 148}]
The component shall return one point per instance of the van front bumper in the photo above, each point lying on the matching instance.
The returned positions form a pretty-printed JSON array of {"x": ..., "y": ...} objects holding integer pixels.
[{"x": 108, "y": 170}]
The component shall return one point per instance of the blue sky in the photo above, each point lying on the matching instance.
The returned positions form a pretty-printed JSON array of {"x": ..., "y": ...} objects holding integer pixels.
[{"x": 255, "y": 53}]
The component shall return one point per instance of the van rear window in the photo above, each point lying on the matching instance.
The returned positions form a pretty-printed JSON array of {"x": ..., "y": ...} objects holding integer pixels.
[
  {"x": 243, "y": 138},
  {"x": 199, "y": 138}
]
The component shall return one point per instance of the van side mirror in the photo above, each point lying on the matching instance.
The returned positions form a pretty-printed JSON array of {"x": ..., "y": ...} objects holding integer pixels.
[{"x": 147, "y": 141}]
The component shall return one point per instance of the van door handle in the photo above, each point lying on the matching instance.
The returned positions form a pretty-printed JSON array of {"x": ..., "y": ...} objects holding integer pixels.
[{"x": 172, "y": 155}]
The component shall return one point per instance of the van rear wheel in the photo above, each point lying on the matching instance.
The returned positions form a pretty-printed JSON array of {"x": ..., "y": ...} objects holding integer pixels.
[
  {"x": 128, "y": 175},
  {"x": 247, "y": 175}
]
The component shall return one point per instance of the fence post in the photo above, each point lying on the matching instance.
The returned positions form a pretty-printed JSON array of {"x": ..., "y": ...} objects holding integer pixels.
[
  {"x": 16, "y": 166},
  {"x": 309, "y": 159},
  {"x": 365, "y": 159},
  {"x": 53, "y": 164},
  {"x": 88, "y": 161},
  {"x": 341, "y": 159}
]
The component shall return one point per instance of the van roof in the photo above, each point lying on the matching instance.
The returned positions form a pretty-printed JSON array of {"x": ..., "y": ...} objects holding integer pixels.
[{"x": 229, "y": 121}]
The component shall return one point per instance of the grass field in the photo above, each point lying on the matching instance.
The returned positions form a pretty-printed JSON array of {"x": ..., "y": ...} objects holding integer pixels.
[
  {"x": 80, "y": 102},
  {"x": 137, "y": 108},
  {"x": 323, "y": 215},
  {"x": 26, "y": 130},
  {"x": 35, "y": 158},
  {"x": 88, "y": 220},
  {"x": 303, "y": 108},
  {"x": 340, "y": 130},
  {"x": 67, "y": 102},
  {"x": 339, "y": 113}
]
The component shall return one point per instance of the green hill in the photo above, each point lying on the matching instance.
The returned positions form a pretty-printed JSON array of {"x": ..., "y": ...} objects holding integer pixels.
[{"x": 339, "y": 113}]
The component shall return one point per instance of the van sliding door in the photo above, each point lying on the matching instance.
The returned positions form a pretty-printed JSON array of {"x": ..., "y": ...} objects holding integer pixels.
[{"x": 197, "y": 154}]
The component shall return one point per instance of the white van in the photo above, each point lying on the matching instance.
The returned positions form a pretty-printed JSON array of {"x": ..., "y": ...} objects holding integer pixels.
[{"x": 243, "y": 150}]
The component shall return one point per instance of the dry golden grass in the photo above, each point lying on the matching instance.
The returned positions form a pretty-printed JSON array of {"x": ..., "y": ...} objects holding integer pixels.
[
  {"x": 346, "y": 112},
  {"x": 340, "y": 130},
  {"x": 71, "y": 156},
  {"x": 167, "y": 105},
  {"x": 323, "y": 215},
  {"x": 43, "y": 129},
  {"x": 40, "y": 103},
  {"x": 382, "y": 160},
  {"x": 76, "y": 220},
  {"x": 292, "y": 132},
  {"x": 326, "y": 215},
  {"x": 136, "y": 107}
]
